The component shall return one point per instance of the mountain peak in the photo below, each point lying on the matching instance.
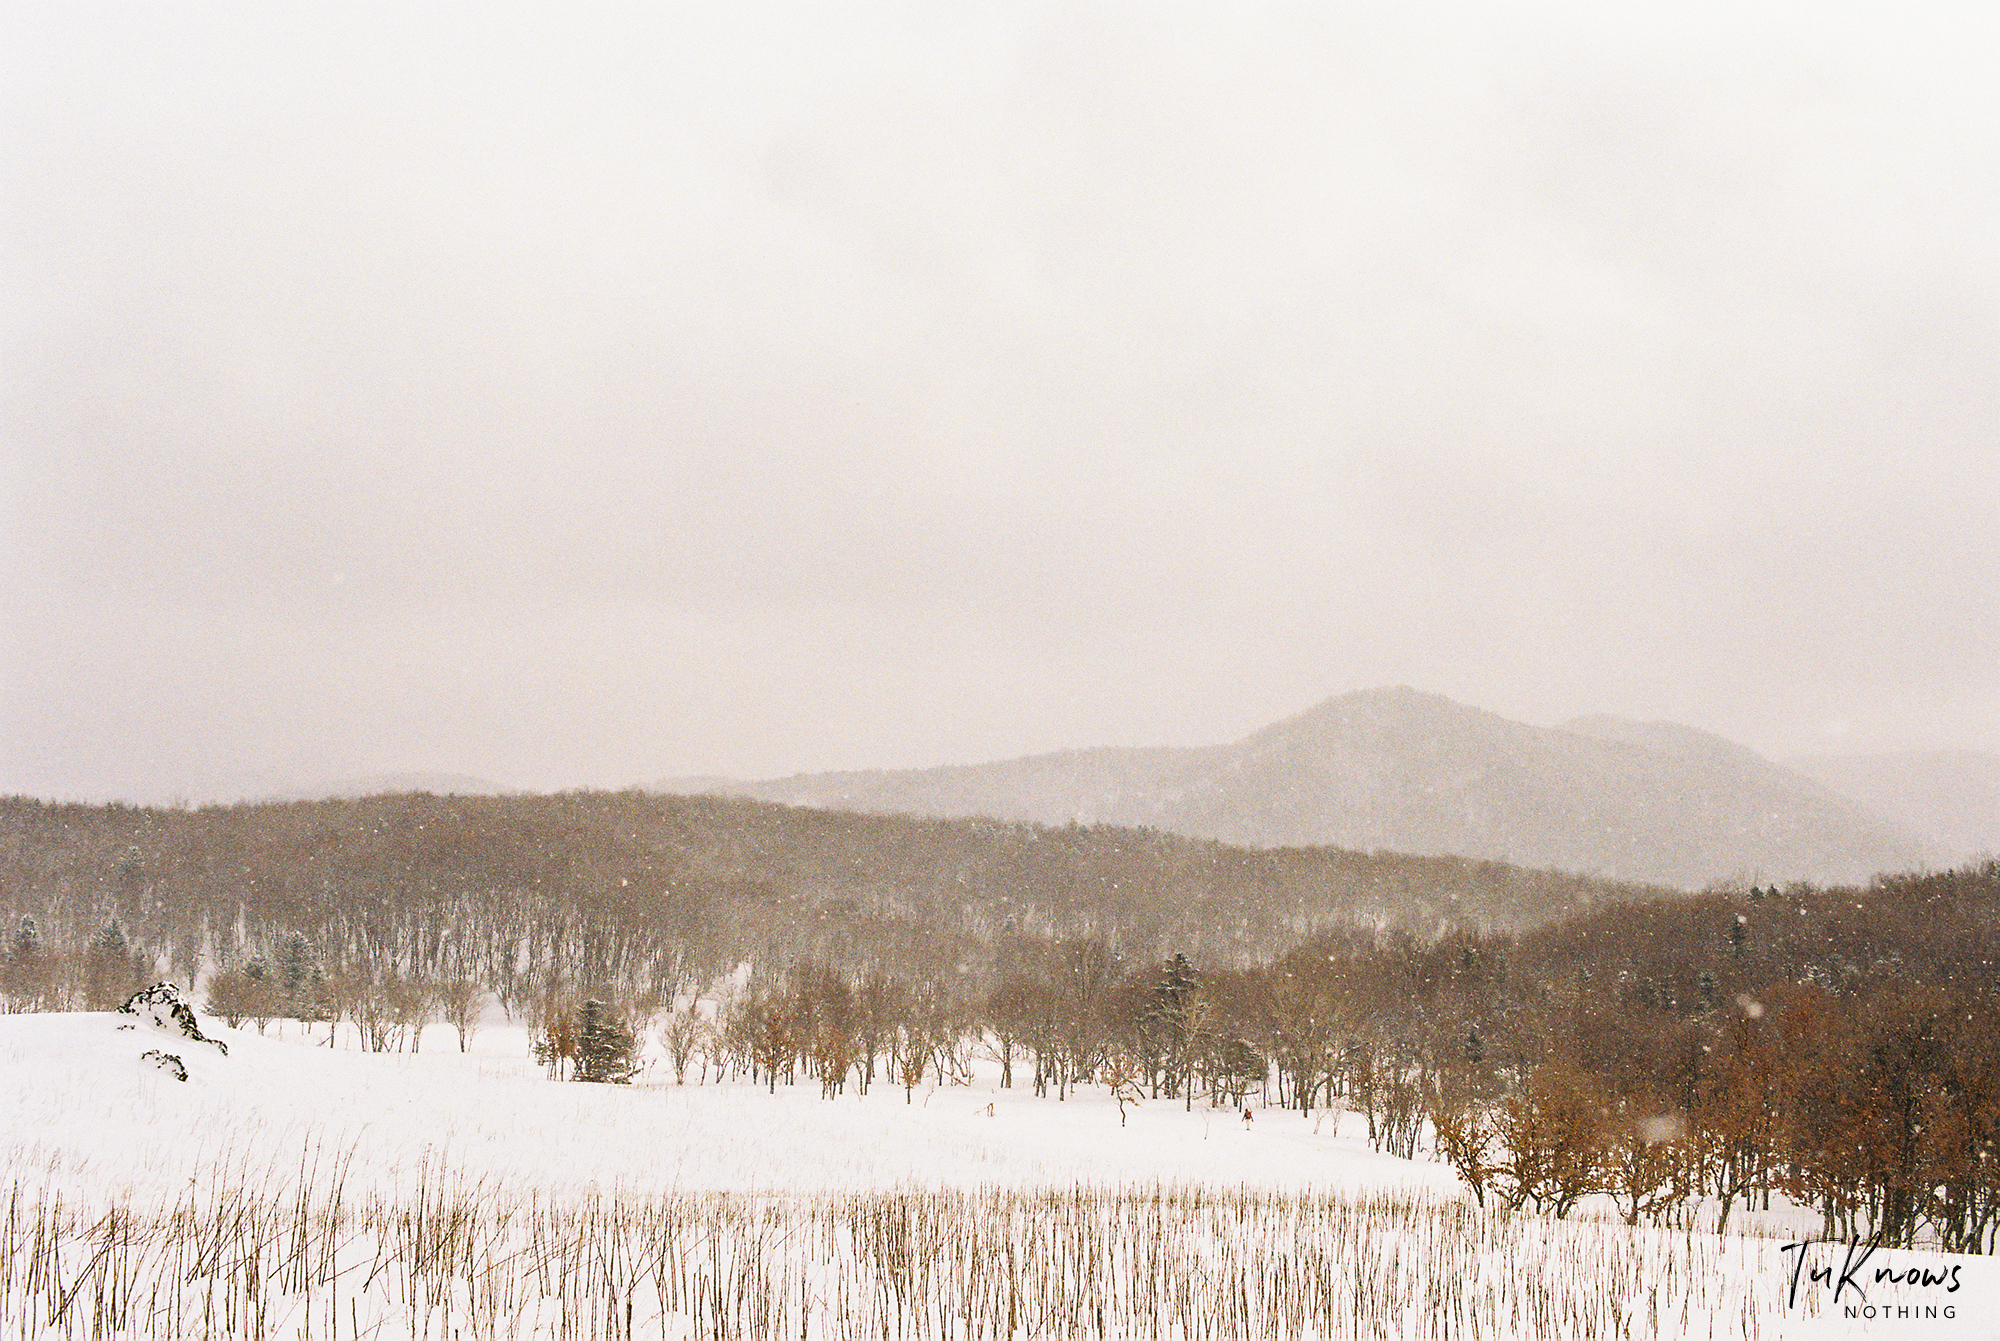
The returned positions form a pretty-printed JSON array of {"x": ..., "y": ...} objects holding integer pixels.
[
  {"x": 1382, "y": 703},
  {"x": 1395, "y": 768}
]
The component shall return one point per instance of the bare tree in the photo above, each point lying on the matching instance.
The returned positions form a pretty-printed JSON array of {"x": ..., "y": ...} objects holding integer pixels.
[
  {"x": 1550, "y": 1138},
  {"x": 370, "y": 1008},
  {"x": 1466, "y": 1138},
  {"x": 1644, "y": 1150},
  {"x": 684, "y": 1035},
  {"x": 412, "y": 1006},
  {"x": 768, "y": 1037},
  {"x": 555, "y": 1037},
  {"x": 462, "y": 1001},
  {"x": 230, "y": 993},
  {"x": 1123, "y": 1075}
]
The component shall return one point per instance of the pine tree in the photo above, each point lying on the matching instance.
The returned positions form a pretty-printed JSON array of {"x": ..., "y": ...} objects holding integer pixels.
[
  {"x": 1182, "y": 1012},
  {"x": 109, "y": 943},
  {"x": 301, "y": 981},
  {"x": 606, "y": 1052},
  {"x": 27, "y": 941},
  {"x": 294, "y": 964},
  {"x": 109, "y": 968},
  {"x": 26, "y": 970}
]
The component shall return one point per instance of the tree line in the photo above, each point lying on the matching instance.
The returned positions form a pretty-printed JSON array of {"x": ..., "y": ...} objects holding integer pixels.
[
  {"x": 1839, "y": 1047},
  {"x": 1551, "y": 1036}
]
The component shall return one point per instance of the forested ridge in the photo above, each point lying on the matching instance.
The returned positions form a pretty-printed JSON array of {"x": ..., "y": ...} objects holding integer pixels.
[{"x": 632, "y": 892}]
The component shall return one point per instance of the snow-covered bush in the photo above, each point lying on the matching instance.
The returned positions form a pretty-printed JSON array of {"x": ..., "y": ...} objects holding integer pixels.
[
  {"x": 166, "y": 1061},
  {"x": 164, "y": 1007}
]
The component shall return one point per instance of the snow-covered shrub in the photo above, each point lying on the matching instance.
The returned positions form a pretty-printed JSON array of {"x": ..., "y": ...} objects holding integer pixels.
[
  {"x": 167, "y": 1062},
  {"x": 163, "y": 1005}
]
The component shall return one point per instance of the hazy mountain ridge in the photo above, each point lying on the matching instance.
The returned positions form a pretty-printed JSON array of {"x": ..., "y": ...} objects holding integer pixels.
[
  {"x": 1399, "y": 770},
  {"x": 1950, "y": 796},
  {"x": 395, "y": 784}
]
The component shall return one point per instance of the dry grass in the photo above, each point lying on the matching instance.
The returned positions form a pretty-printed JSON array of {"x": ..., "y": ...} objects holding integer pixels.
[{"x": 455, "y": 1261}]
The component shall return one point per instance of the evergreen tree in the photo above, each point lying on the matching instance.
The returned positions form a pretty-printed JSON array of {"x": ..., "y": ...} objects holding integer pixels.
[
  {"x": 109, "y": 943},
  {"x": 295, "y": 958},
  {"x": 109, "y": 968},
  {"x": 27, "y": 942},
  {"x": 301, "y": 981},
  {"x": 24, "y": 975},
  {"x": 1178, "y": 1009},
  {"x": 606, "y": 1051}
]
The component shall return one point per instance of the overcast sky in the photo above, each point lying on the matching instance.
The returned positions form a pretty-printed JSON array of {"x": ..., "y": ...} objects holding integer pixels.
[{"x": 578, "y": 398}]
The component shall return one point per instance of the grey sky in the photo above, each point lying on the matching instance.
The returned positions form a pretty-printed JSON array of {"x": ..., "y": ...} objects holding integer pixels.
[{"x": 574, "y": 400}]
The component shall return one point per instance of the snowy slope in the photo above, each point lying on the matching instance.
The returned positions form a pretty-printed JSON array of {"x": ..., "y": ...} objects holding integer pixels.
[
  {"x": 78, "y": 1107},
  {"x": 290, "y": 1190}
]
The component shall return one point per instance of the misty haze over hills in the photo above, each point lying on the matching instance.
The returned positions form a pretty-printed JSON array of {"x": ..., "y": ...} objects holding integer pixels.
[
  {"x": 1405, "y": 771},
  {"x": 1952, "y": 796}
]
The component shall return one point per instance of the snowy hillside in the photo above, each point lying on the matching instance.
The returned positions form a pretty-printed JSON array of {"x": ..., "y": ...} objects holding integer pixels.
[{"x": 289, "y": 1189}]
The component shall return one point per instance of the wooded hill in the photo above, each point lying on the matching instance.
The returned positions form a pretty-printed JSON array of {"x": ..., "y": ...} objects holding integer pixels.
[{"x": 635, "y": 892}]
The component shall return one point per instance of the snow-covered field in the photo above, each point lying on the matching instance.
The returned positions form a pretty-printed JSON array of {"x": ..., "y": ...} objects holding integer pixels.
[
  {"x": 292, "y": 1190},
  {"x": 95, "y": 1120}
]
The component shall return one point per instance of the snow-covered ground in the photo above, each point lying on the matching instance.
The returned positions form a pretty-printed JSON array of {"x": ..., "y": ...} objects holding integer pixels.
[
  {"x": 89, "y": 1116},
  {"x": 284, "y": 1132}
]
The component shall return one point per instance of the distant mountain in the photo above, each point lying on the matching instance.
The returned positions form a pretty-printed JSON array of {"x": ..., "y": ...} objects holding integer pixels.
[
  {"x": 389, "y": 784},
  {"x": 1398, "y": 770},
  {"x": 1951, "y": 797}
]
